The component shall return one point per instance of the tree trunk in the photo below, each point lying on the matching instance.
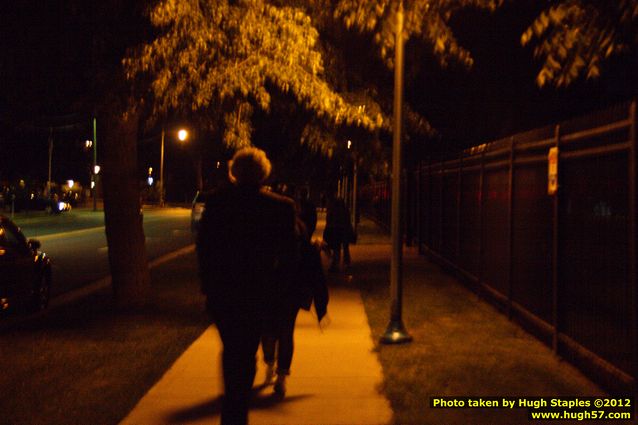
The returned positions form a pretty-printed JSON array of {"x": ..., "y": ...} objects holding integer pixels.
[{"x": 122, "y": 209}]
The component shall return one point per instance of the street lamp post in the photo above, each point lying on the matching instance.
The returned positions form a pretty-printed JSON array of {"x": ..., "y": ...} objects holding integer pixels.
[
  {"x": 182, "y": 135},
  {"x": 396, "y": 333},
  {"x": 50, "y": 161},
  {"x": 95, "y": 166},
  {"x": 353, "y": 199},
  {"x": 161, "y": 179}
]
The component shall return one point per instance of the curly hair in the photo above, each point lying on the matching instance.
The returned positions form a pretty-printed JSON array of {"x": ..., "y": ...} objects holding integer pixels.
[{"x": 249, "y": 167}]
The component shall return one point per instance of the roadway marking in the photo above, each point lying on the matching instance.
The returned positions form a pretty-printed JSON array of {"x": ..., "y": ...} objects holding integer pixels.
[
  {"x": 69, "y": 233},
  {"x": 171, "y": 255},
  {"x": 92, "y": 229}
]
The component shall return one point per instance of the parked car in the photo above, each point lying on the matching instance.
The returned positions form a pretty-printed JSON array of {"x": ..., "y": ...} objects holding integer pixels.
[
  {"x": 25, "y": 271},
  {"x": 196, "y": 210}
]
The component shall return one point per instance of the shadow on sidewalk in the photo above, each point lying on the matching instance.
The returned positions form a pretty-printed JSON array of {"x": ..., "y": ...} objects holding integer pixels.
[{"x": 212, "y": 408}]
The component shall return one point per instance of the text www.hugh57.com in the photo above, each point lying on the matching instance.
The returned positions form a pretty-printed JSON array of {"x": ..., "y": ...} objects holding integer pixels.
[
  {"x": 580, "y": 416},
  {"x": 548, "y": 408}
]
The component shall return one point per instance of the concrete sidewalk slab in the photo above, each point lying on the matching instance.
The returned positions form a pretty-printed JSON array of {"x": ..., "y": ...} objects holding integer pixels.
[{"x": 334, "y": 380}]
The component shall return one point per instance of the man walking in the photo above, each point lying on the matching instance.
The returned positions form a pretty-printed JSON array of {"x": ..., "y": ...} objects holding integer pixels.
[{"x": 246, "y": 250}]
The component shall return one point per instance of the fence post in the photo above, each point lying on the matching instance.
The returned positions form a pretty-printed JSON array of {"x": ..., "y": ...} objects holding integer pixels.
[
  {"x": 428, "y": 238},
  {"x": 458, "y": 210},
  {"x": 555, "y": 254},
  {"x": 441, "y": 207},
  {"x": 481, "y": 184},
  {"x": 510, "y": 232},
  {"x": 633, "y": 207},
  {"x": 418, "y": 206}
]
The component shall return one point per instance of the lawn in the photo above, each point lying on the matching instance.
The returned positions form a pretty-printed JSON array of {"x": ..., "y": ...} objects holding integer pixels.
[
  {"x": 87, "y": 363},
  {"x": 462, "y": 347}
]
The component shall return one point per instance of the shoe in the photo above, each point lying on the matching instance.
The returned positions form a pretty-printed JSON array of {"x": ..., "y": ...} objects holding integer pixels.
[
  {"x": 280, "y": 386},
  {"x": 270, "y": 373}
]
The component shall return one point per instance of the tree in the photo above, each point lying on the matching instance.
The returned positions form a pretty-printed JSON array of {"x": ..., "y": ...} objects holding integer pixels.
[
  {"x": 123, "y": 218},
  {"x": 118, "y": 24},
  {"x": 575, "y": 37},
  {"x": 223, "y": 59},
  {"x": 427, "y": 21},
  {"x": 391, "y": 25}
]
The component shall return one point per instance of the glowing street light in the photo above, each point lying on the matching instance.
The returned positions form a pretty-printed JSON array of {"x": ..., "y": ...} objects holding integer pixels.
[{"x": 182, "y": 135}]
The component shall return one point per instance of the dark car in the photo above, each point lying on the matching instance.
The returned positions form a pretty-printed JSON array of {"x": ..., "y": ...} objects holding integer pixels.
[{"x": 25, "y": 272}]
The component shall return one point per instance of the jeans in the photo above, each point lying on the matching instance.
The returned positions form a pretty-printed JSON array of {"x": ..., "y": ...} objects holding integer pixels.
[
  {"x": 279, "y": 338},
  {"x": 336, "y": 254},
  {"x": 240, "y": 336}
]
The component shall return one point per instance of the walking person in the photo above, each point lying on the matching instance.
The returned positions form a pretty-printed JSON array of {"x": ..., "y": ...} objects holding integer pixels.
[
  {"x": 246, "y": 250},
  {"x": 308, "y": 286},
  {"x": 307, "y": 211},
  {"x": 338, "y": 233}
]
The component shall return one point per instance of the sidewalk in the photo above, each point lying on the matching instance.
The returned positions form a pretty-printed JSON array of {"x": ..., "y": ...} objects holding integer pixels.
[
  {"x": 462, "y": 346},
  {"x": 334, "y": 380}
]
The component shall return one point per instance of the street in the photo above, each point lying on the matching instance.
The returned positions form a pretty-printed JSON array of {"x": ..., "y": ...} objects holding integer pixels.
[{"x": 76, "y": 241}]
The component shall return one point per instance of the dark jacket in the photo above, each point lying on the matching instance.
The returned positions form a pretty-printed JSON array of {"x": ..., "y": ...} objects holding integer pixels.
[
  {"x": 308, "y": 214},
  {"x": 308, "y": 281},
  {"x": 245, "y": 249}
]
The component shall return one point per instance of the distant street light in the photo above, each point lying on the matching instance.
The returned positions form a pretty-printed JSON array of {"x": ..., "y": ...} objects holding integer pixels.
[{"x": 182, "y": 135}]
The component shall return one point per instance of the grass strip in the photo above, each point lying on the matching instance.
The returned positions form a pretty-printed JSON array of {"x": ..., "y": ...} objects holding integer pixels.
[
  {"x": 462, "y": 347},
  {"x": 88, "y": 363}
]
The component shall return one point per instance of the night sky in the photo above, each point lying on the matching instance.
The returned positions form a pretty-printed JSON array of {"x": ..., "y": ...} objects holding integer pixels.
[
  {"x": 47, "y": 63},
  {"x": 498, "y": 96}
]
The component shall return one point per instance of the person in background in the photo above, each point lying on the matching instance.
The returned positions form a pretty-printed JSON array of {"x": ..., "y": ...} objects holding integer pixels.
[
  {"x": 246, "y": 250},
  {"x": 338, "y": 232},
  {"x": 308, "y": 286},
  {"x": 307, "y": 211}
]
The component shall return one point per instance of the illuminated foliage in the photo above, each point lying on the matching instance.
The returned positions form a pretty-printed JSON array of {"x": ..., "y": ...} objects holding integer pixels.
[
  {"x": 574, "y": 37},
  {"x": 425, "y": 20},
  {"x": 220, "y": 55}
]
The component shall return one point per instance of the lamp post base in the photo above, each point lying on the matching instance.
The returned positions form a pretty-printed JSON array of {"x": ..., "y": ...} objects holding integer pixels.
[{"x": 395, "y": 334}]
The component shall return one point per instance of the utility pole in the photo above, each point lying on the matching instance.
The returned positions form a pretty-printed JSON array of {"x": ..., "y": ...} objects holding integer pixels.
[
  {"x": 94, "y": 173},
  {"x": 50, "y": 161},
  {"x": 396, "y": 333},
  {"x": 161, "y": 182}
]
